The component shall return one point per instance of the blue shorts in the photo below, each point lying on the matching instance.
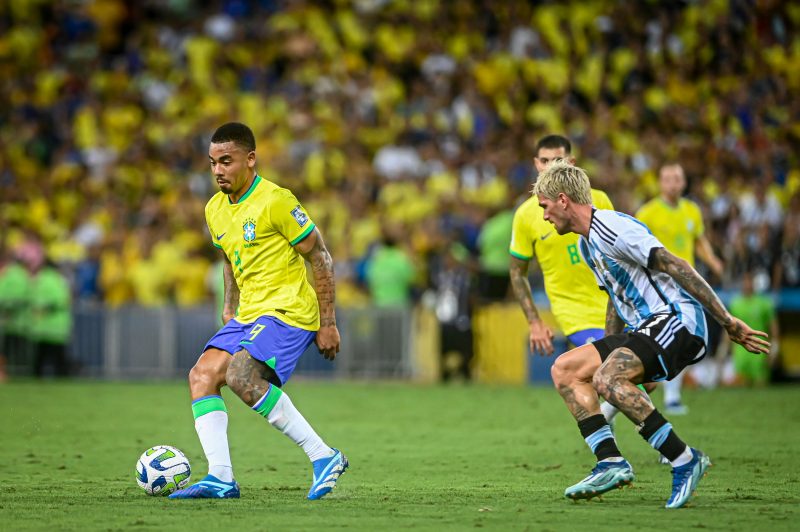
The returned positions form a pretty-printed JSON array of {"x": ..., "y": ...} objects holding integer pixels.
[
  {"x": 587, "y": 336},
  {"x": 267, "y": 339}
]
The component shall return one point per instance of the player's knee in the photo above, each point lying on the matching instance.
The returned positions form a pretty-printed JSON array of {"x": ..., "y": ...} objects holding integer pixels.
[
  {"x": 205, "y": 376},
  {"x": 560, "y": 372}
]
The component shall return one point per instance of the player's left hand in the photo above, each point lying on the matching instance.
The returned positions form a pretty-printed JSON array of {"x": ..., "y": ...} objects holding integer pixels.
[
  {"x": 328, "y": 341},
  {"x": 752, "y": 340}
]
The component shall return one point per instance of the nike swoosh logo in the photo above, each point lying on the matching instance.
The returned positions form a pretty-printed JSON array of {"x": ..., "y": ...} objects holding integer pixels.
[
  {"x": 540, "y": 238},
  {"x": 219, "y": 237}
]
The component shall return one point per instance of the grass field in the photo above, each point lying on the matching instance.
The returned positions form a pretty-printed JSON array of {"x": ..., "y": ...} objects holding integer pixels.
[{"x": 430, "y": 458}]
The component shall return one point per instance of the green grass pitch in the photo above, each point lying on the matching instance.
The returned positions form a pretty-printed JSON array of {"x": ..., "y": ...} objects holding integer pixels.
[{"x": 422, "y": 457}]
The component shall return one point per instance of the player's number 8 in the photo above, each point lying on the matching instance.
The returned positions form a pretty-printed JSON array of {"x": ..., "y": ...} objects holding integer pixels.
[{"x": 574, "y": 258}]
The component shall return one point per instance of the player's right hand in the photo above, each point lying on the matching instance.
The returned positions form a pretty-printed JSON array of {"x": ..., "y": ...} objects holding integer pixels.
[
  {"x": 541, "y": 338},
  {"x": 328, "y": 341},
  {"x": 752, "y": 340}
]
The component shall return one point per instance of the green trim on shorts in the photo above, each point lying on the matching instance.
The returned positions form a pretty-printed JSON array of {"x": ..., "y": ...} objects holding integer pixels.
[
  {"x": 208, "y": 404},
  {"x": 641, "y": 387},
  {"x": 273, "y": 395}
]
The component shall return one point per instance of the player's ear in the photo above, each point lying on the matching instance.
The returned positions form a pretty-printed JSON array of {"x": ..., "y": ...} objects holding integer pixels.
[
  {"x": 251, "y": 159},
  {"x": 572, "y": 160}
]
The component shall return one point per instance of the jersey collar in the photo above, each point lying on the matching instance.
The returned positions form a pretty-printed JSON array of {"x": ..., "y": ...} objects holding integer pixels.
[{"x": 250, "y": 190}]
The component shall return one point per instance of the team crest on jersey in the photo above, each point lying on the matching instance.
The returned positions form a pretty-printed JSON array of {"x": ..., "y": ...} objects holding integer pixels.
[
  {"x": 300, "y": 217},
  {"x": 249, "y": 228}
]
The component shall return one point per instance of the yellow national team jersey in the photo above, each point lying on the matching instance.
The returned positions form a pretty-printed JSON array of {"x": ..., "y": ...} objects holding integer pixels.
[
  {"x": 258, "y": 234},
  {"x": 678, "y": 228},
  {"x": 576, "y": 301}
]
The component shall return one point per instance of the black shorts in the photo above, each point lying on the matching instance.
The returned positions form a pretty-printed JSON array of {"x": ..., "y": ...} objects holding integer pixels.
[{"x": 662, "y": 343}]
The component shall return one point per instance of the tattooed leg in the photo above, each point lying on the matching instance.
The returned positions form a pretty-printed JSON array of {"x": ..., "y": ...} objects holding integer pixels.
[
  {"x": 248, "y": 378},
  {"x": 572, "y": 375},
  {"x": 616, "y": 380}
]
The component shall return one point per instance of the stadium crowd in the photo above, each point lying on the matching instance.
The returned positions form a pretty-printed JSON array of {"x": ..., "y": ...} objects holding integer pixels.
[{"x": 404, "y": 125}]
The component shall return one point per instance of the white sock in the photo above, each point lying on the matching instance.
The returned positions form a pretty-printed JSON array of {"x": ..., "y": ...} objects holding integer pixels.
[
  {"x": 212, "y": 429},
  {"x": 609, "y": 411},
  {"x": 672, "y": 389},
  {"x": 287, "y": 419},
  {"x": 685, "y": 457}
]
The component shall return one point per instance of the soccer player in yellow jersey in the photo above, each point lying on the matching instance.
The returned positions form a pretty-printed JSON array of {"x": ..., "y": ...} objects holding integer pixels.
[
  {"x": 271, "y": 314},
  {"x": 578, "y": 306},
  {"x": 678, "y": 223}
]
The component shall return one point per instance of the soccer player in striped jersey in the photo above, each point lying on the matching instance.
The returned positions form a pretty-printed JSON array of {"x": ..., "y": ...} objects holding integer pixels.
[
  {"x": 678, "y": 224},
  {"x": 579, "y": 308},
  {"x": 661, "y": 298},
  {"x": 271, "y": 314}
]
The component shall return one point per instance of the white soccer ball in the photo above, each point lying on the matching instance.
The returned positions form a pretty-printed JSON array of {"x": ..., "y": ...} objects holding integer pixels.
[{"x": 162, "y": 469}]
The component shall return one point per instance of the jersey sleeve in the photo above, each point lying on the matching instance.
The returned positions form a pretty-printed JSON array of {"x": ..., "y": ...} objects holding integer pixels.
[
  {"x": 521, "y": 246},
  {"x": 289, "y": 218}
]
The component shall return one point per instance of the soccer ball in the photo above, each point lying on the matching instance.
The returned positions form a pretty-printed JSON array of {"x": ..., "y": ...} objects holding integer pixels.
[{"x": 162, "y": 469}]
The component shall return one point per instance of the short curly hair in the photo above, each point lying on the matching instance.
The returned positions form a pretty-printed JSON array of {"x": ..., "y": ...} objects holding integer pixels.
[{"x": 237, "y": 133}]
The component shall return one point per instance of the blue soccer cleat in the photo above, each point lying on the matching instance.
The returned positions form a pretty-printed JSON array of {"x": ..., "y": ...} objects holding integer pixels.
[
  {"x": 209, "y": 488},
  {"x": 685, "y": 479},
  {"x": 326, "y": 472},
  {"x": 605, "y": 476}
]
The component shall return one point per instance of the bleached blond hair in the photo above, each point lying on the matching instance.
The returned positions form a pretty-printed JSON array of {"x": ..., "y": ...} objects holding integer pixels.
[{"x": 561, "y": 176}]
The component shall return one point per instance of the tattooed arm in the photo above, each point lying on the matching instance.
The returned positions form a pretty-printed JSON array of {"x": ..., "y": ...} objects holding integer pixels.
[
  {"x": 614, "y": 324},
  {"x": 231, "y": 291},
  {"x": 540, "y": 335},
  {"x": 313, "y": 249},
  {"x": 663, "y": 261}
]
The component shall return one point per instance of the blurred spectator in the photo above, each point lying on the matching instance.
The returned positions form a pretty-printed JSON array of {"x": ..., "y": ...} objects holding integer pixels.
[
  {"x": 494, "y": 280},
  {"x": 452, "y": 284},
  {"x": 14, "y": 313},
  {"x": 87, "y": 276},
  {"x": 51, "y": 319},
  {"x": 787, "y": 268},
  {"x": 390, "y": 274},
  {"x": 758, "y": 311}
]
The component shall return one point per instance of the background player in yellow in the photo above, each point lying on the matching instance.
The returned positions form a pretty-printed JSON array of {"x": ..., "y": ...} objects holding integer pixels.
[
  {"x": 578, "y": 306},
  {"x": 678, "y": 223},
  {"x": 271, "y": 314}
]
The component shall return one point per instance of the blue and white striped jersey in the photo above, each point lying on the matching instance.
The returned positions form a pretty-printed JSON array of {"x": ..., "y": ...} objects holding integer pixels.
[{"x": 618, "y": 250}]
